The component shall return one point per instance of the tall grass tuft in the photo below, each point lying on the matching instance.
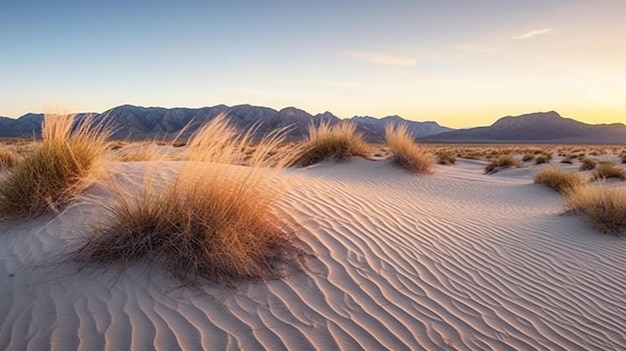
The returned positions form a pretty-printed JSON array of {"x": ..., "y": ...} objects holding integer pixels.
[
  {"x": 338, "y": 142},
  {"x": 503, "y": 161},
  {"x": 214, "y": 222},
  {"x": 587, "y": 164},
  {"x": 608, "y": 170},
  {"x": 405, "y": 152},
  {"x": 56, "y": 171},
  {"x": 558, "y": 179},
  {"x": 604, "y": 205},
  {"x": 8, "y": 158}
]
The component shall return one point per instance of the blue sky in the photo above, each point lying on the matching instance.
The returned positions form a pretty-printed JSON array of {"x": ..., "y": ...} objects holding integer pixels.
[{"x": 461, "y": 63}]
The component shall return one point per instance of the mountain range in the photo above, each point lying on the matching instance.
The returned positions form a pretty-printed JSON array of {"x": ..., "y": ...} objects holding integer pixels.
[
  {"x": 137, "y": 123},
  {"x": 134, "y": 122}
]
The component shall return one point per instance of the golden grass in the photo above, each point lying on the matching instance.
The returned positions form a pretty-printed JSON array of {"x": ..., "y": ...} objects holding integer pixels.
[
  {"x": 405, "y": 152},
  {"x": 543, "y": 158},
  {"x": 587, "y": 164},
  {"x": 604, "y": 205},
  {"x": 8, "y": 158},
  {"x": 608, "y": 170},
  {"x": 445, "y": 158},
  {"x": 214, "y": 222},
  {"x": 57, "y": 170},
  {"x": 337, "y": 143},
  {"x": 138, "y": 153},
  {"x": 558, "y": 179},
  {"x": 503, "y": 161}
]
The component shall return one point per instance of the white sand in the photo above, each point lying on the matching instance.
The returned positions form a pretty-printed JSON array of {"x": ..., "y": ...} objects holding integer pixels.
[{"x": 453, "y": 261}]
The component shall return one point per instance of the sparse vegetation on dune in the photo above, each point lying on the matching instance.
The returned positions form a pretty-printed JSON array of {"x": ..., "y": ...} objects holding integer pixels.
[
  {"x": 326, "y": 142},
  {"x": 604, "y": 205},
  {"x": 57, "y": 170},
  {"x": 558, "y": 179},
  {"x": 528, "y": 157},
  {"x": 445, "y": 158},
  {"x": 405, "y": 152},
  {"x": 214, "y": 222},
  {"x": 543, "y": 158},
  {"x": 503, "y": 161},
  {"x": 8, "y": 158},
  {"x": 606, "y": 170},
  {"x": 587, "y": 164}
]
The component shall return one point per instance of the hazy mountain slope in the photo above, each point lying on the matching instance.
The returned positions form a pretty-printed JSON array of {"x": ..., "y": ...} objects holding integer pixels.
[{"x": 537, "y": 127}]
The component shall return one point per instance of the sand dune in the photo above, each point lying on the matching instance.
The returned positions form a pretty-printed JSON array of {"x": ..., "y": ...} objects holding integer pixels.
[{"x": 453, "y": 261}]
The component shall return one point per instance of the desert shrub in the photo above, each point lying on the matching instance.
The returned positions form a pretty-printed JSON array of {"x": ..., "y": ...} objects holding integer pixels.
[
  {"x": 557, "y": 179},
  {"x": 503, "y": 161},
  {"x": 445, "y": 158},
  {"x": 608, "y": 170},
  {"x": 543, "y": 158},
  {"x": 528, "y": 157},
  {"x": 587, "y": 164},
  {"x": 624, "y": 158},
  {"x": 56, "y": 171},
  {"x": 338, "y": 142},
  {"x": 405, "y": 152},
  {"x": 602, "y": 204},
  {"x": 8, "y": 158},
  {"x": 567, "y": 159},
  {"x": 215, "y": 221}
]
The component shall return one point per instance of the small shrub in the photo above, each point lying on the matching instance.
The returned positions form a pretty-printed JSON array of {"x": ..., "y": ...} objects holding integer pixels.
[
  {"x": 57, "y": 171},
  {"x": 445, "y": 158},
  {"x": 603, "y": 204},
  {"x": 608, "y": 170},
  {"x": 543, "y": 158},
  {"x": 528, "y": 157},
  {"x": 8, "y": 158},
  {"x": 557, "y": 179},
  {"x": 503, "y": 161},
  {"x": 567, "y": 160},
  {"x": 587, "y": 164},
  {"x": 338, "y": 143},
  {"x": 405, "y": 152},
  {"x": 624, "y": 158}
]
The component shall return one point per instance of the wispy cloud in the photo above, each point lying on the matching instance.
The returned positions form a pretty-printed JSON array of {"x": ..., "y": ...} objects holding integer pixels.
[
  {"x": 532, "y": 33},
  {"x": 381, "y": 58}
]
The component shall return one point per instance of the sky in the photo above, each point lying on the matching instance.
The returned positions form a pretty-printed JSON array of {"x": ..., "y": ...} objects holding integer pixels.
[{"x": 461, "y": 63}]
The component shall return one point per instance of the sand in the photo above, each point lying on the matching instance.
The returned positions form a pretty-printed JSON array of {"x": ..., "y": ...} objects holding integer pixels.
[{"x": 453, "y": 261}]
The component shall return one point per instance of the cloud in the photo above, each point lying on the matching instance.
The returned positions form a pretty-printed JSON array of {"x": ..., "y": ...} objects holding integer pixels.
[
  {"x": 381, "y": 58},
  {"x": 532, "y": 33}
]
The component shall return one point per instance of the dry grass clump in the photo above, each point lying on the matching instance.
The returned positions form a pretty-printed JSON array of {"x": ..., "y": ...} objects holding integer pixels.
[
  {"x": 326, "y": 142},
  {"x": 214, "y": 222},
  {"x": 624, "y": 158},
  {"x": 587, "y": 164},
  {"x": 558, "y": 179},
  {"x": 55, "y": 172},
  {"x": 503, "y": 161},
  {"x": 567, "y": 159},
  {"x": 528, "y": 157},
  {"x": 405, "y": 152},
  {"x": 608, "y": 170},
  {"x": 543, "y": 158},
  {"x": 603, "y": 204},
  {"x": 8, "y": 158},
  {"x": 445, "y": 158}
]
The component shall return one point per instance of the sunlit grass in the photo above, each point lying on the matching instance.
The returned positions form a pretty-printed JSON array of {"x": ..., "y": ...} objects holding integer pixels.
[
  {"x": 558, "y": 179},
  {"x": 337, "y": 143},
  {"x": 214, "y": 222},
  {"x": 604, "y": 205},
  {"x": 405, "y": 152},
  {"x": 57, "y": 170}
]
